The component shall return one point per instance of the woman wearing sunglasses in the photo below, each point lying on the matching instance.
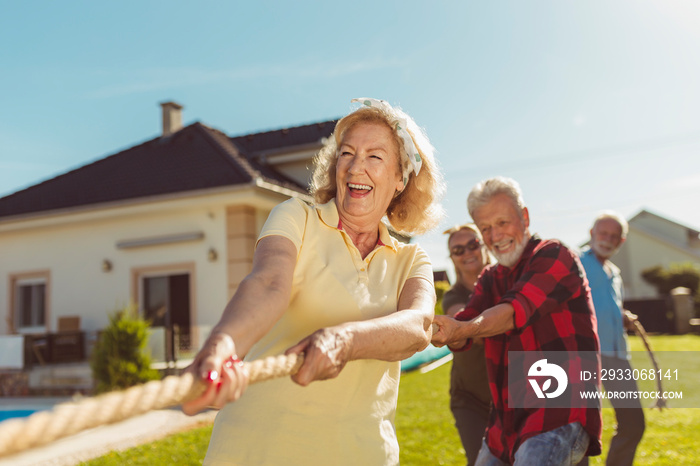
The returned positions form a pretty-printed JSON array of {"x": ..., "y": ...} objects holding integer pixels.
[{"x": 469, "y": 388}]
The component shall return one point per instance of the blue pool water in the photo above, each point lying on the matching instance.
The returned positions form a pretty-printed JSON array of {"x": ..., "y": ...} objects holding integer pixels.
[{"x": 13, "y": 413}]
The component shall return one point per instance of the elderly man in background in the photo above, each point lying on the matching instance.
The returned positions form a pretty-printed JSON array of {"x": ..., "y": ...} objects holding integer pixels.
[
  {"x": 535, "y": 299},
  {"x": 607, "y": 235}
]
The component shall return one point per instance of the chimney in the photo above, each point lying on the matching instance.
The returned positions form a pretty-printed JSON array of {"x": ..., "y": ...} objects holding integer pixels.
[{"x": 172, "y": 117}]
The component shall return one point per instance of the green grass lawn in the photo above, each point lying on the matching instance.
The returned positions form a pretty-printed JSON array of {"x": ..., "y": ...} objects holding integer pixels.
[{"x": 427, "y": 435}]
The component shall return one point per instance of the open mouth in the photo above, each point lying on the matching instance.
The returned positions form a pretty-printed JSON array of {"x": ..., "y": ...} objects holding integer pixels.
[
  {"x": 503, "y": 245},
  {"x": 359, "y": 188}
]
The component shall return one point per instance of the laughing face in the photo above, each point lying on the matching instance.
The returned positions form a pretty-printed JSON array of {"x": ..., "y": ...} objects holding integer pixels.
[
  {"x": 367, "y": 172},
  {"x": 504, "y": 228}
]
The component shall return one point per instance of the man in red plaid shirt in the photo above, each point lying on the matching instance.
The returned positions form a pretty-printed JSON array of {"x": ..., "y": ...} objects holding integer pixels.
[{"x": 535, "y": 299}]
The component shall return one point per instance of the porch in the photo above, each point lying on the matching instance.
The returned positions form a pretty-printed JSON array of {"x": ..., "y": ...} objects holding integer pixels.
[{"x": 58, "y": 364}]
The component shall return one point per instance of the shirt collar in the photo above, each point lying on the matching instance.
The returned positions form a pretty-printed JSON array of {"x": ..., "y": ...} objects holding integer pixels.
[{"x": 328, "y": 213}]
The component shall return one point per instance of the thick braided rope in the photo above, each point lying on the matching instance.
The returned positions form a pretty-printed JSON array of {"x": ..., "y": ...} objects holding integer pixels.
[{"x": 70, "y": 418}]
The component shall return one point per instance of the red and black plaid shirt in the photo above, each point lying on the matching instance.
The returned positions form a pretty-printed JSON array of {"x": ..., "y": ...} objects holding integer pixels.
[{"x": 553, "y": 312}]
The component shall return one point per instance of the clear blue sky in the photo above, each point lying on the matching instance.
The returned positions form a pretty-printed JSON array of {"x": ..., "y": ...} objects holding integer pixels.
[{"x": 589, "y": 105}]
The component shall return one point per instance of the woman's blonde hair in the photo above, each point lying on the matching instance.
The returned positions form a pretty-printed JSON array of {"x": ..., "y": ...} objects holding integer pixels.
[
  {"x": 416, "y": 209},
  {"x": 465, "y": 226}
]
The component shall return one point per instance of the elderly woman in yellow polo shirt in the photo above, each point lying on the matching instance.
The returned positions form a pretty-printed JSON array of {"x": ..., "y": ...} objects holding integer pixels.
[{"x": 330, "y": 281}]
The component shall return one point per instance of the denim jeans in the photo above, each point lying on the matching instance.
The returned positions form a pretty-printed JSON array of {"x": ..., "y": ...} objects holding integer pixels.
[{"x": 564, "y": 445}]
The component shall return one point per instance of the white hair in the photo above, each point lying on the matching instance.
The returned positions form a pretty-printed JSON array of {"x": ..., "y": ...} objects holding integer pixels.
[
  {"x": 485, "y": 190},
  {"x": 611, "y": 215}
]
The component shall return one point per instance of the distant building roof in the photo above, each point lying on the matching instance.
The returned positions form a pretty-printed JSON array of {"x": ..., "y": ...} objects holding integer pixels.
[
  {"x": 646, "y": 213},
  {"x": 667, "y": 231},
  {"x": 194, "y": 158}
]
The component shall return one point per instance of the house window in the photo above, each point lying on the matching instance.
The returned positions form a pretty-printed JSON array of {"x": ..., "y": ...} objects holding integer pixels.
[{"x": 30, "y": 302}]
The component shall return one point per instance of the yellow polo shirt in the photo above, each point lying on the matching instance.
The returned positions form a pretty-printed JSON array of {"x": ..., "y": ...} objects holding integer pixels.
[{"x": 348, "y": 420}]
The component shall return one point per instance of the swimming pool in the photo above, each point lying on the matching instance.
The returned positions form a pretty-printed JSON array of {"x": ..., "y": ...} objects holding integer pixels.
[
  {"x": 24, "y": 406},
  {"x": 16, "y": 413}
]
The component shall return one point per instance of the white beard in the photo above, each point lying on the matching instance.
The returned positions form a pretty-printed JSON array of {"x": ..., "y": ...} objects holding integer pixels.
[
  {"x": 603, "y": 248},
  {"x": 509, "y": 259}
]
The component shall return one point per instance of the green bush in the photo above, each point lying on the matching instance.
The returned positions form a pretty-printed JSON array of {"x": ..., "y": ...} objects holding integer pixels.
[
  {"x": 441, "y": 287},
  {"x": 118, "y": 360},
  {"x": 685, "y": 274}
]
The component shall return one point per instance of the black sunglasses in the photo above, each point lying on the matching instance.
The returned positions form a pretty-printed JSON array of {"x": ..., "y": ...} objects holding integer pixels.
[{"x": 472, "y": 245}]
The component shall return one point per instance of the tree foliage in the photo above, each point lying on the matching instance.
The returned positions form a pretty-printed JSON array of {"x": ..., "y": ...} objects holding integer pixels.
[
  {"x": 685, "y": 274},
  {"x": 118, "y": 360}
]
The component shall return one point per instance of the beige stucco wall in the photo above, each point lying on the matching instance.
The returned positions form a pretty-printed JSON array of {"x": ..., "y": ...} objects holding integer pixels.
[
  {"x": 298, "y": 170},
  {"x": 73, "y": 245},
  {"x": 298, "y": 165}
]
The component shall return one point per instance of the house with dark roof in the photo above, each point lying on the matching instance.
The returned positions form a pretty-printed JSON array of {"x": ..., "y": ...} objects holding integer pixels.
[{"x": 169, "y": 224}]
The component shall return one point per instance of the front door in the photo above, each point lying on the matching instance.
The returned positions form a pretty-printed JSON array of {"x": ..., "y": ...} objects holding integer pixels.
[{"x": 166, "y": 304}]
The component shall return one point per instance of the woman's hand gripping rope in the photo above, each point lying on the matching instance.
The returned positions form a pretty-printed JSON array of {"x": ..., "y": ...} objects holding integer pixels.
[
  {"x": 218, "y": 368},
  {"x": 223, "y": 378}
]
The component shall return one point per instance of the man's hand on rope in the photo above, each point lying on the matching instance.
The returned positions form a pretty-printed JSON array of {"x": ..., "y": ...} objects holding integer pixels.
[
  {"x": 218, "y": 367},
  {"x": 446, "y": 332},
  {"x": 628, "y": 319},
  {"x": 326, "y": 352}
]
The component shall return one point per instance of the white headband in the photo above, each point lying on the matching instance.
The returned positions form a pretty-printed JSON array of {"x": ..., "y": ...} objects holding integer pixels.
[{"x": 408, "y": 144}]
